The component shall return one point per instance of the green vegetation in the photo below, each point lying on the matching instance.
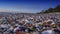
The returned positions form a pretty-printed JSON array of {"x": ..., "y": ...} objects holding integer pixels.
[{"x": 51, "y": 10}]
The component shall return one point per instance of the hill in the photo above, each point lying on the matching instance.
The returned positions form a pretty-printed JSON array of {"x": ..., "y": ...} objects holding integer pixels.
[{"x": 51, "y": 10}]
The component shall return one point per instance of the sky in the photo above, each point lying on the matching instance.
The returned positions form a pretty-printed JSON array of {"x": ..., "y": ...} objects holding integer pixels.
[{"x": 27, "y": 6}]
